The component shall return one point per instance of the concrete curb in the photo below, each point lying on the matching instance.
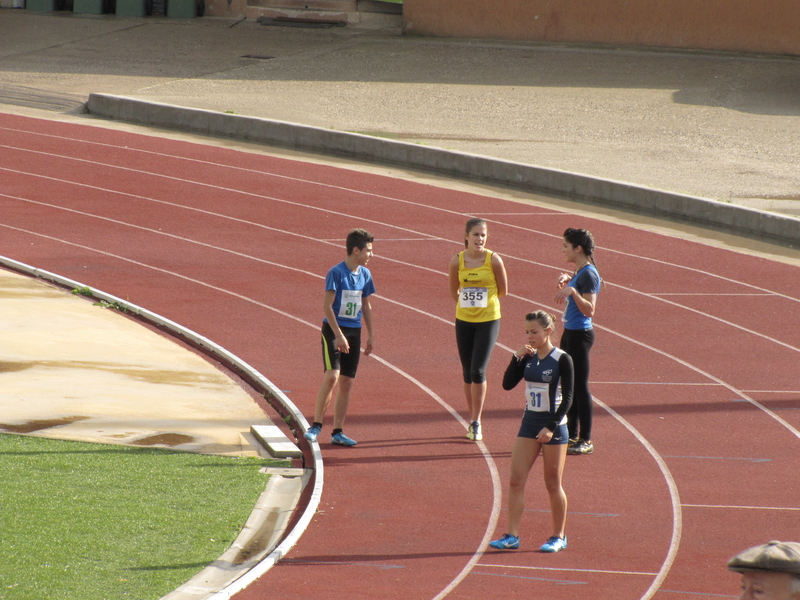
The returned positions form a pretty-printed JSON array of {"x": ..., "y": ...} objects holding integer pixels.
[
  {"x": 261, "y": 383},
  {"x": 738, "y": 220},
  {"x": 264, "y": 528}
]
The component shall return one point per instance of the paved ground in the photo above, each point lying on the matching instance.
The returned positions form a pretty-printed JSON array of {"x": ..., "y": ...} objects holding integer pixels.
[
  {"x": 725, "y": 127},
  {"x": 76, "y": 371},
  {"x": 234, "y": 245},
  {"x": 718, "y": 126}
]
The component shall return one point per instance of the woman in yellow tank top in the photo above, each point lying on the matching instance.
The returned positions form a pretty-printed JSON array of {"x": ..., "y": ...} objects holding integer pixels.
[{"x": 477, "y": 282}]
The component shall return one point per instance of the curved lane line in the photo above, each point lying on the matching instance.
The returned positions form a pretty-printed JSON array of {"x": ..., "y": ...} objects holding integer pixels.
[
  {"x": 495, "y": 478},
  {"x": 748, "y": 330},
  {"x": 675, "y": 498},
  {"x": 241, "y": 254},
  {"x": 432, "y": 237},
  {"x": 497, "y": 490},
  {"x": 691, "y": 367},
  {"x": 383, "y": 197},
  {"x": 276, "y": 554},
  {"x": 371, "y": 194},
  {"x": 288, "y": 542},
  {"x": 669, "y": 559}
]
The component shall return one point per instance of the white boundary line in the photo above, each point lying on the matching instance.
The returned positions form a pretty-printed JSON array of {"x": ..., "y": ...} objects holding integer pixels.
[
  {"x": 291, "y": 539},
  {"x": 497, "y": 490},
  {"x": 741, "y": 507},
  {"x": 677, "y": 515},
  {"x": 603, "y": 571},
  {"x": 682, "y": 362},
  {"x": 232, "y": 360},
  {"x": 747, "y": 329},
  {"x": 666, "y": 565},
  {"x": 277, "y": 554},
  {"x": 371, "y": 194}
]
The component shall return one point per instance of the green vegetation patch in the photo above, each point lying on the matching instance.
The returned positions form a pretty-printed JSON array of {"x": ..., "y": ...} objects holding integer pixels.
[{"x": 88, "y": 521}]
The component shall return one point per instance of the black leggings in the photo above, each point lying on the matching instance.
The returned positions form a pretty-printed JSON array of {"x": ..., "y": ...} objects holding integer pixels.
[
  {"x": 577, "y": 343},
  {"x": 475, "y": 343}
]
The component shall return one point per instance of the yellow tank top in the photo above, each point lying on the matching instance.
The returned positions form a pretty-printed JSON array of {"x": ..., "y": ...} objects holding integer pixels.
[{"x": 477, "y": 298}]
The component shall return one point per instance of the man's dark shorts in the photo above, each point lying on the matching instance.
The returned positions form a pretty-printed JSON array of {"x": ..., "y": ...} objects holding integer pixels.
[{"x": 345, "y": 363}]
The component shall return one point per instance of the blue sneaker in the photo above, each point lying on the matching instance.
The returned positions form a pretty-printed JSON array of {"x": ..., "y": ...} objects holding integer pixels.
[
  {"x": 554, "y": 544},
  {"x": 312, "y": 433},
  {"x": 507, "y": 542},
  {"x": 341, "y": 439}
]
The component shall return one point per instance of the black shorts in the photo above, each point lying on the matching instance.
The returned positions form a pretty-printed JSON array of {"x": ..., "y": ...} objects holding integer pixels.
[
  {"x": 345, "y": 363},
  {"x": 533, "y": 423}
]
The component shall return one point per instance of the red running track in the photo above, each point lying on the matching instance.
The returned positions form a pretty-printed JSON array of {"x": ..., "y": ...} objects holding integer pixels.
[{"x": 694, "y": 369}]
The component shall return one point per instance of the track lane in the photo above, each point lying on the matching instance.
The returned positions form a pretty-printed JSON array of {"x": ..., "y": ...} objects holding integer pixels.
[
  {"x": 326, "y": 185},
  {"x": 514, "y": 305}
]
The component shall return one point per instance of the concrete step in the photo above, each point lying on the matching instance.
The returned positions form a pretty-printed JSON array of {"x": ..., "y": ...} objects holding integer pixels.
[
  {"x": 311, "y": 5},
  {"x": 346, "y": 11}
]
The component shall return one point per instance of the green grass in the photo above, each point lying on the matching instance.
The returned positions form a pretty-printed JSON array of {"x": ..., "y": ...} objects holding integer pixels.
[{"x": 88, "y": 521}]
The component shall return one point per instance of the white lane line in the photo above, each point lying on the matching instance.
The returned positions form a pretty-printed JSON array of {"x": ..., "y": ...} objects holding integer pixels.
[
  {"x": 240, "y": 254},
  {"x": 738, "y": 393},
  {"x": 492, "y": 466},
  {"x": 563, "y": 569},
  {"x": 746, "y": 329},
  {"x": 495, "y": 478},
  {"x": 778, "y": 508},
  {"x": 629, "y": 338},
  {"x": 497, "y": 489},
  {"x": 673, "y": 548},
  {"x": 650, "y": 383},
  {"x": 753, "y": 460},
  {"x": 772, "y": 391},
  {"x": 529, "y": 578},
  {"x": 656, "y": 261},
  {"x": 337, "y": 243},
  {"x": 715, "y": 294},
  {"x": 393, "y": 199},
  {"x": 677, "y": 515}
]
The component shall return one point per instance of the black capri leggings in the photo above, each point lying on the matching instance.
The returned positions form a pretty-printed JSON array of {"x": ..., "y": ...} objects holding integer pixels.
[
  {"x": 475, "y": 343},
  {"x": 577, "y": 343}
]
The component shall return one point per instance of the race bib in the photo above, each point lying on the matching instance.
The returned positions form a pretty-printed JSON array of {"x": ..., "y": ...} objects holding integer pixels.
[
  {"x": 351, "y": 304},
  {"x": 474, "y": 297},
  {"x": 537, "y": 396}
]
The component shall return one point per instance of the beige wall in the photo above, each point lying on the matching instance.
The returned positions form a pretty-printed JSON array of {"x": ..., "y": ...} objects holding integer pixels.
[
  {"x": 762, "y": 26},
  {"x": 226, "y": 8}
]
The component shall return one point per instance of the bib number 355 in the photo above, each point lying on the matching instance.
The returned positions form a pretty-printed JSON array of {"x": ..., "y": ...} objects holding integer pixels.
[{"x": 474, "y": 297}]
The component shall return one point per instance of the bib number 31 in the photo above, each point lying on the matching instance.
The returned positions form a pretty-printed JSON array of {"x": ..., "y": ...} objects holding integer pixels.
[
  {"x": 536, "y": 395},
  {"x": 351, "y": 304}
]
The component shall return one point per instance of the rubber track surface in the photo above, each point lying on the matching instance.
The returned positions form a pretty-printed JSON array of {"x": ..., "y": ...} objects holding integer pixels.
[{"x": 694, "y": 367}]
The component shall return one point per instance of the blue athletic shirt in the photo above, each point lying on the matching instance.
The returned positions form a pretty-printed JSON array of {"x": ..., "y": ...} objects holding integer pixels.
[
  {"x": 586, "y": 281},
  {"x": 548, "y": 384},
  {"x": 350, "y": 288}
]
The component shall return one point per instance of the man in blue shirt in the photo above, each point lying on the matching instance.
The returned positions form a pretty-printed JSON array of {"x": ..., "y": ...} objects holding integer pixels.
[{"x": 348, "y": 287}]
